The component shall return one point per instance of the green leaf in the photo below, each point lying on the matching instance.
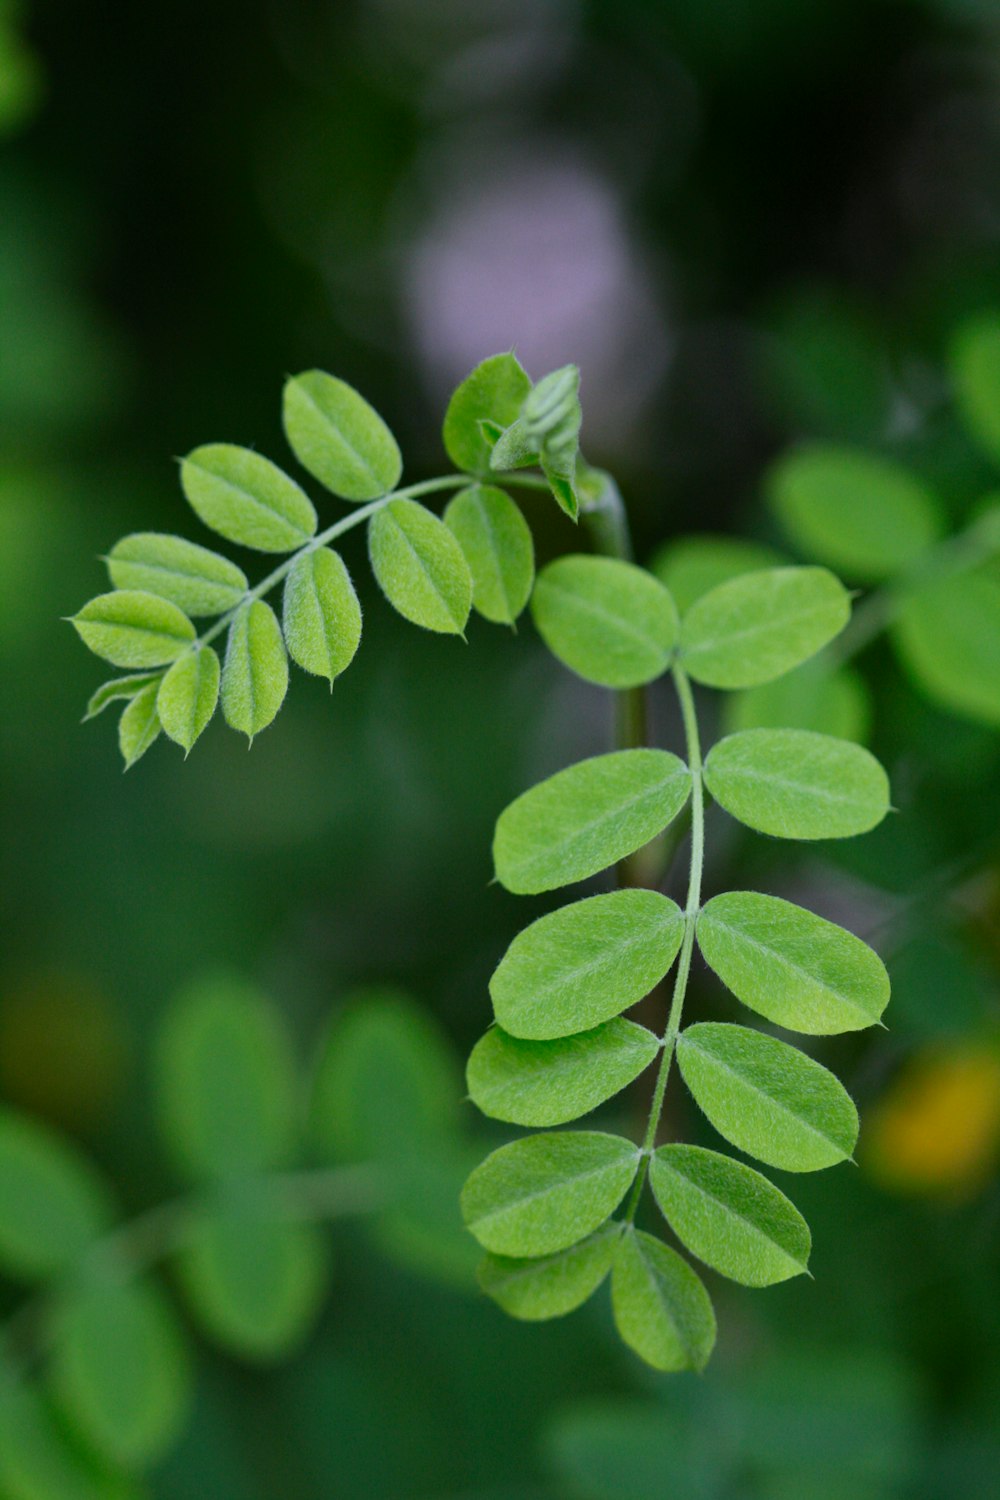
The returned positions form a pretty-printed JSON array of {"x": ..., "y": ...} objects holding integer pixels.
[
  {"x": 493, "y": 392},
  {"x": 975, "y": 368},
  {"x": 948, "y": 636},
  {"x": 585, "y": 818},
  {"x": 121, "y": 1368},
  {"x": 139, "y": 726},
  {"x": 512, "y": 449},
  {"x": 661, "y": 1308},
  {"x": 117, "y": 689},
  {"x": 246, "y": 498},
  {"x": 226, "y": 1082},
  {"x": 585, "y": 963},
  {"x": 198, "y": 581},
  {"x": 255, "y": 674},
  {"x": 420, "y": 567},
  {"x": 729, "y": 1216},
  {"x": 767, "y": 1098},
  {"x": 40, "y": 1461},
  {"x": 543, "y": 1193},
  {"x": 815, "y": 696},
  {"x": 322, "y": 616},
  {"x": 496, "y": 543},
  {"x": 790, "y": 966},
  {"x": 551, "y": 1285},
  {"x": 54, "y": 1205},
  {"x": 421, "y": 1228},
  {"x": 187, "y": 696},
  {"x": 692, "y": 565},
  {"x": 797, "y": 785},
  {"x": 339, "y": 438},
  {"x": 620, "y": 1448},
  {"x": 608, "y": 621},
  {"x": 866, "y": 516},
  {"x": 134, "y": 629},
  {"x": 253, "y": 1279},
  {"x": 760, "y": 625},
  {"x": 550, "y": 1083},
  {"x": 550, "y": 420},
  {"x": 387, "y": 1083}
]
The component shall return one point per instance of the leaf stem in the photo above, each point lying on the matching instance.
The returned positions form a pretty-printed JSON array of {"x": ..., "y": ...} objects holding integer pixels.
[{"x": 693, "y": 742}]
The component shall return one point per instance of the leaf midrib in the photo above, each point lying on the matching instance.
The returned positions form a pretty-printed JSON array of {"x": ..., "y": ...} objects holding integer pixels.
[{"x": 780, "y": 958}]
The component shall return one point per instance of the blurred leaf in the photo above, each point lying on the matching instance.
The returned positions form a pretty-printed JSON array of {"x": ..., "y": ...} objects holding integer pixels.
[
  {"x": 187, "y": 696},
  {"x": 550, "y": 1285},
  {"x": 120, "y": 1369},
  {"x": 38, "y": 1460},
  {"x": 494, "y": 391},
  {"x": 246, "y": 498},
  {"x": 322, "y": 616},
  {"x": 139, "y": 726},
  {"x": 815, "y": 696},
  {"x": 790, "y": 966},
  {"x": 729, "y": 1216},
  {"x": 794, "y": 784},
  {"x": 767, "y": 1098},
  {"x": 928, "y": 967},
  {"x": 253, "y": 1279},
  {"x": 551, "y": 1083},
  {"x": 54, "y": 1205},
  {"x": 544, "y": 1192},
  {"x": 198, "y": 581},
  {"x": 948, "y": 635},
  {"x": 255, "y": 673},
  {"x": 692, "y": 565},
  {"x": 662, "y": 1310},
  {"x": 585, "y": 963},
  {"x": 134, "y": 629},
  {"x": 615, "y": 1449},
  {"x": 496, "y": 542},
  {"x": 420, "y": 567},
  {"x": 585, "y": 818},
  {"x": 339, "y": 438},
  {"x": 608, "y": 621},
  {"x": 864, "y": 515},
  {"x": 226, "y": 1082},
  {"x": 975, "y": 369},
  {"x": 760, "y": 625},
  {"x": 117, "y": 689},
  {"x": 422, "y": 1227}
]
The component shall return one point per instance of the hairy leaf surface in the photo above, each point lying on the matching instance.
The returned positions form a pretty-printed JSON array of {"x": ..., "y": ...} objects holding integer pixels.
[
  {"x": 608, "y": 621},
  {"x": 497, "y": 546},
  {"x": 246, "y": 498},
  {"x": 54, "y": 1204},
  {"x": 255, "y": 673},
  {"x": 585, "y": 818},
  {"x": 550, "y": 1286},
  {"x": 339, "y": 438},
  {"x": 197, "y": 580},
  {"x": 139, "y": 726},
  {"x": 322, "y": 616},
  {"x": 420, "y": 567},
  {"x": 795, "y": 784},
  {"x": 494, "y": 392},
  {"x": 661, "y": 1308},
  {"x": 117, "y": 690},
  {"x": 187, "y": 696},
  {"x": 551, "y": 1083},
  {"x": 134, "y": 629}
]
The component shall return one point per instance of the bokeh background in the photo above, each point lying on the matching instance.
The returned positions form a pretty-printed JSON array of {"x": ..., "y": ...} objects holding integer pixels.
[{"x": 750, "y": 222}]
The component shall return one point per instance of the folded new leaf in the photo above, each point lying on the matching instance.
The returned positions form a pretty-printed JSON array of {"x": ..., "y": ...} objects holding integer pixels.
[
  {"x": 661, "y": 1308},
  {"x": 609, "y": 621},
  {"x": 494, "y": 392}
]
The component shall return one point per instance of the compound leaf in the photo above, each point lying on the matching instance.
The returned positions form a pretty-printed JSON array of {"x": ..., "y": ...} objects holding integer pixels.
[
  {"x": 54, "y": 1205},
  {"x": 814, "y": 696},
  {"x": 948, "y": 636},
  {"x": 760, "y": 625},
  {"x": 494, "y": 393},
  {"x": 585, "y": 818},
  {"x": 585, "y": 963},
  {"x": 322, "y": 616},
  {"x": 339, "y": 437},
  {"x": 790, "y": 966},
  {"x": 975, "y": 366},
  {"x": 246, "y": 498},
  {"x": 134, "y": 629},
  {"x": 729, "y": 1216},
  {"x": 255, "y": 673},
  {"x": 608, "y": 621},
  {"x": 862, "y": 514},
  {"x": 767, "y": 1098},
  {"x": 197, "y": 580},
  {"x": 139, "y": 725},
  {"x": 496, "y": 542},
  {"x": 420, "y": 567},
  {"x": 121, "y": 1369},
  {"x": 693, "y": 565},
  {"x": 795, "y": 784},
  {"x": 545, "y": 1192},
  {"x": 551, "y": 1285},
  {"x": 226, "y": 1082},
  {"x": 551, "y": 1083},
  {"x": 117, "y": 689},
  {"x": 253, "y": 1279},
  {"x": 661, "y": 1308},
  {"x": 187, "y": 696}
]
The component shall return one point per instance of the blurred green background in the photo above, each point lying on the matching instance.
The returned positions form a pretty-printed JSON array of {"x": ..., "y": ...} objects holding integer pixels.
[{"x": 750, "y": 222}]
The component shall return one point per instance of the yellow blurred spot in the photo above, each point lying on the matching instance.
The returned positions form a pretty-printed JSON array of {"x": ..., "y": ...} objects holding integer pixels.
[
  {"x": 937, "y": 1128},
  {"x": 62, "y": 1051}
]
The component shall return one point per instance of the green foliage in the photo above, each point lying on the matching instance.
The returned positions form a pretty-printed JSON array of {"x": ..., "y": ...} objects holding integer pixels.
[
  {"x": 948, "y": 635},
  {"x": 134, "y": 629},
  {"x": 760, "y": 625},
  {"x": 246, "y": 498},
  {"x": 661, "y": 1309},
  {"x": 550, "y": 420},
  {"x": 585, "y": 818},
  {"x": 54, "y": 1204},
  {"x": 139, "y": 726},
  {"x": 420, "y": 567},
  {"x": 40, "y": 1461},
  {"x": 255, "y": 672},
  {"x": 815, "y": 696},
  {"x": 694, "y": 565},
  {"x": 339, "y": 438},
  {"x": 493, "y": 393},
  {"x": 322, "y": 616},
  {"x": 610, "y": 622},
  {"x": 975, "y": 369},
  {"x": 198, "y": 581},
  {"x": 550, "y": 1285},
  {"x": 498, "y": 549},
  {"x": 186, "y": 698},
  {"x": 117, "y": 690},
  {"x": 794, "y": 784}
]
